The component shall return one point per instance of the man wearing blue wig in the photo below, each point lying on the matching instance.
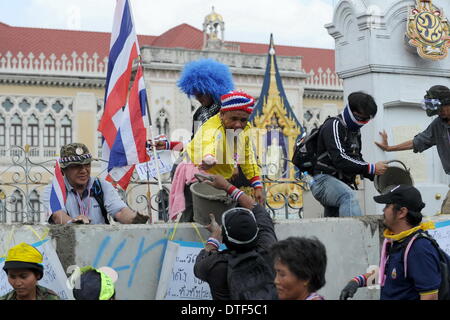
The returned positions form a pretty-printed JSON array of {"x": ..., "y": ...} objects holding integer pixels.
[{"x": 206, "y": 80}]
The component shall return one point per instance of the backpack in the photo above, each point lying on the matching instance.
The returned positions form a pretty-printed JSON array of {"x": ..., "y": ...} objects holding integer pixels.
[
  {"x": 305, "y": 152},
  {"x": 250, "y": 277},
  {"x": 97, "y": 193},
  {"x": 444, "y": 266}
]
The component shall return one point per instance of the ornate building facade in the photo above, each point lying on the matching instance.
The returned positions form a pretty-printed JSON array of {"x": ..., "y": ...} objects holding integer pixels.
[{"x": 52, "y": 86}]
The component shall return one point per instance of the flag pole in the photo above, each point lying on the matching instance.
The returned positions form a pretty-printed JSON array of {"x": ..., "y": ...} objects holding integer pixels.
[{"x": 158, "y": 173}]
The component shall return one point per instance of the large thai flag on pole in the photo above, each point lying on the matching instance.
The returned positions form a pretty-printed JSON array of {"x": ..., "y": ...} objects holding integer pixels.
[
  {"x": 129, "y": 146},
  {"x": 58, "y": 194},
  {"x": 124, "y": 49}
]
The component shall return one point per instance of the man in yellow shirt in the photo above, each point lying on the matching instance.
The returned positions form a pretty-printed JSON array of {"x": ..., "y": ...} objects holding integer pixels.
[{"x": 223, "y": 142}]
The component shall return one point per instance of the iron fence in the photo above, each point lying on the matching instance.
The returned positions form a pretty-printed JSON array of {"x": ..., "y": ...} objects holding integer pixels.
[{"x": 22, "y": 182}]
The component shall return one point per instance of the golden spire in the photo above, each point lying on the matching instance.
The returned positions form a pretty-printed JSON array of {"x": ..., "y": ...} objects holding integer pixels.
[{"x": 274, "y": 96}]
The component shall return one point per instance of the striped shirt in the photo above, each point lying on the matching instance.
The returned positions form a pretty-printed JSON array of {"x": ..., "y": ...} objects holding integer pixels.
[{"x": 202, "y": 115}]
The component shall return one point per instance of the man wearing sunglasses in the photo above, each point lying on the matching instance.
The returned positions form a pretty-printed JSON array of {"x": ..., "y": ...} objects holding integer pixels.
[
  {"x": 340, "y": 160},
  {"x": 436, "y": 102}
]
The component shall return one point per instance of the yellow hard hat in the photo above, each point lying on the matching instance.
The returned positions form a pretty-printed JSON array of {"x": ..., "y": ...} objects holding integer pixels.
[{"x": 24, "y": 256}]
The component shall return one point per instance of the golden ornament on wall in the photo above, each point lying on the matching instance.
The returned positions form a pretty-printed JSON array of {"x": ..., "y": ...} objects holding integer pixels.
[{"x": 428, "y": 30}]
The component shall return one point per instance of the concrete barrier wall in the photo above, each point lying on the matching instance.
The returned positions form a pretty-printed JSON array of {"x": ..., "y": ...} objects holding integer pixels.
[{"x": 136, "y": 251}]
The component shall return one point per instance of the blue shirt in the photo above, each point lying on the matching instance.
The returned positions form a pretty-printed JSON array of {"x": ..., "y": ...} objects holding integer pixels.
[
  {"x": 423, "y": 274},
  {"x": 112, "y": 201}
]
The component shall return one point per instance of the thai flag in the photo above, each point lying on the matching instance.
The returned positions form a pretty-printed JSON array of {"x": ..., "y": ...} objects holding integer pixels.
[
  {"x": 124, "y": 49},
  {"x": 58, "y": 194},
  {"x": 129, "y": 147}
]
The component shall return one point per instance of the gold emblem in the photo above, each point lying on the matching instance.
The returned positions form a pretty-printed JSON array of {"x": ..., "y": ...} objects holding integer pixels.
[
  {"x": 79, "y": 151},
  {"x": 394, "y": 274},
  {"x": 428, "y": 30}
]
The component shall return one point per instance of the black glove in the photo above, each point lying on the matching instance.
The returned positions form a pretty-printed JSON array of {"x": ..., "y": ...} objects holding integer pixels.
[
  {"x": 140, "y": 218},
  {"x": 349, "y": 290}
]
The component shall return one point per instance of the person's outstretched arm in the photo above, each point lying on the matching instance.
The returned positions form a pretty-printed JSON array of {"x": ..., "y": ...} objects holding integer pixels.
[
  {"x": 266, "y": 235},
  {"x": 384, "y": 145}
]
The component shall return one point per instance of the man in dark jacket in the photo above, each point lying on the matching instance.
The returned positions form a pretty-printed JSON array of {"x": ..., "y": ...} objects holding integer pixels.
[
  {"x": 244, "y": 229},
  {"x": 340, "y": 159}
]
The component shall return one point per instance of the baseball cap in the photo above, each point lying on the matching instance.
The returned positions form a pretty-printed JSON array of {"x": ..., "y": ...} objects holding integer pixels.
[{"x": 404, "y": 195}]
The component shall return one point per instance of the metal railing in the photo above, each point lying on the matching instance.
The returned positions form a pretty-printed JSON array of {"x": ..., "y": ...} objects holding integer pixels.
[{"x": 23, "y": 180}]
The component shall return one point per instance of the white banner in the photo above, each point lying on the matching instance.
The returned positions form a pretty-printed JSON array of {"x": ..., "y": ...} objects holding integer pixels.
[{"x": 148, "y": 169}]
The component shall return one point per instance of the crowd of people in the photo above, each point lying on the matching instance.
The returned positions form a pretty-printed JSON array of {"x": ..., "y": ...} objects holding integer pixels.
[{"x": 255, "y": 264}]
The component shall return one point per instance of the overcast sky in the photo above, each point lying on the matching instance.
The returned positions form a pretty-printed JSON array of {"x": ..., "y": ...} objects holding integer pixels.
[{"x": 293, "y": 22}]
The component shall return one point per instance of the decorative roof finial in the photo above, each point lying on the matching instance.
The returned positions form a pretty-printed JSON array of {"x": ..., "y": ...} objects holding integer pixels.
[{"x": 271, "y": 47}]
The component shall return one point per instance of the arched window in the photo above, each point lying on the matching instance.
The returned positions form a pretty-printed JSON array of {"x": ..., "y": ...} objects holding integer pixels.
[
  {"x": 66, "y": 131},
  {"x": 35, "y": 205},
  {"x": 17, "y": 208},
  {"x": 100, "y": 143},
  {"x": 2, "y": 131},
  {"x": 33, "y": 131},
  {"x": 15, "y": 135},
  {"x": 162, "y": 123},
  {"x": 49, "y": 132}
]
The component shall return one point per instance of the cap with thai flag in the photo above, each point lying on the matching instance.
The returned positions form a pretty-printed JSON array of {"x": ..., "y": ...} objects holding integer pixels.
[{"x": 237, "y": 100}]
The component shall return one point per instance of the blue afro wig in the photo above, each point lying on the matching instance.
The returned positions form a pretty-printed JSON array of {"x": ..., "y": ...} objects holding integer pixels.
[{"x": 206, "y": 76}]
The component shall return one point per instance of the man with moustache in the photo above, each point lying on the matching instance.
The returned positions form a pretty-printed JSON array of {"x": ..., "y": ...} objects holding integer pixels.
[
  {"x": 409, "y": 266},
  {"x": 89, "y": 200}
]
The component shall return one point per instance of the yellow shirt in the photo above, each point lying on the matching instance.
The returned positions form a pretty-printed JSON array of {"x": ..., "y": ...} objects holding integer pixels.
[{"x": 211, "y": 139}]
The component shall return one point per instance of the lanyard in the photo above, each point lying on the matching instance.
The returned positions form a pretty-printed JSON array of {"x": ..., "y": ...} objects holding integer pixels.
[{"x": 84, "y": 210}]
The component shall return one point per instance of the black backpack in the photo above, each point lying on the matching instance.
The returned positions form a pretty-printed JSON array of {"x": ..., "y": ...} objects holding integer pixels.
[
  {"x": 305, "y": 153},
  {"x": 250, "y": 277},
  {"x": 97, "y": 193},
  {"x": 444, "y": 263}
]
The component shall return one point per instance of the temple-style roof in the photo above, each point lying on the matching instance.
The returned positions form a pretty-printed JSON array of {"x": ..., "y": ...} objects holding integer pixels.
[{"x": 273, "y": 97}]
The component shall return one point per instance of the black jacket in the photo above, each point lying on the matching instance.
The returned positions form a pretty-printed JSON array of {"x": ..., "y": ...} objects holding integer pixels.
[
  {"x": 212, "y": 266},
  {"x": 341, "y": 150}
]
